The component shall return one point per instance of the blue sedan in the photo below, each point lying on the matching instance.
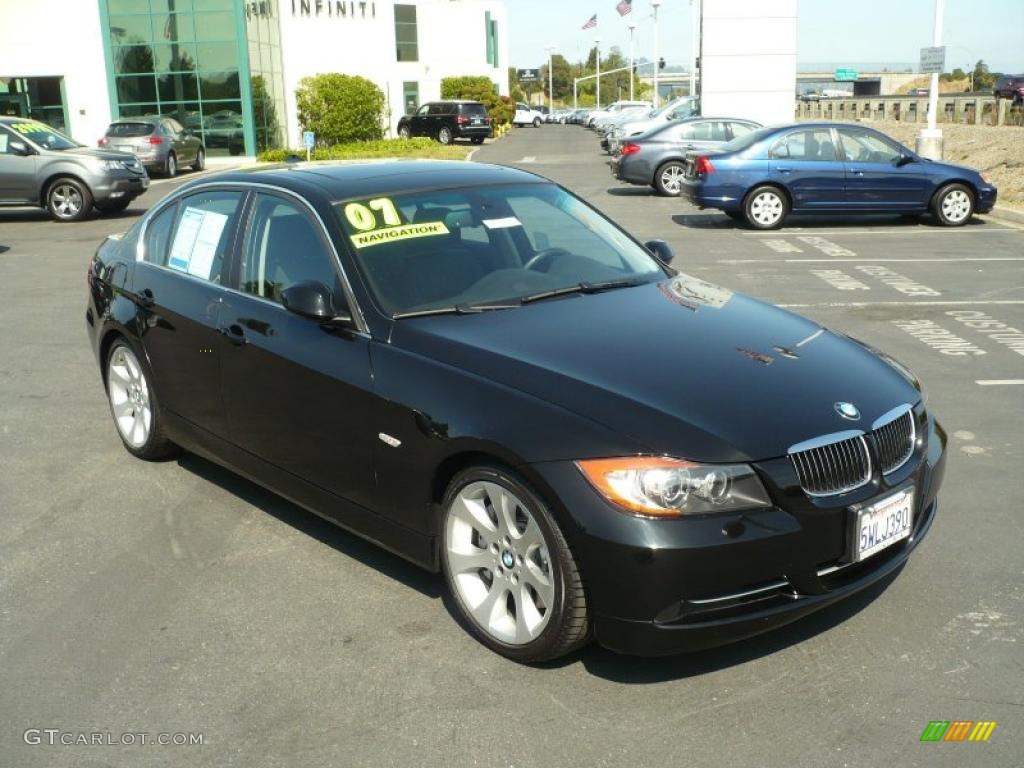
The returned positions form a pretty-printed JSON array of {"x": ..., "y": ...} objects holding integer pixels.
[{"x": 825, "y": 168}]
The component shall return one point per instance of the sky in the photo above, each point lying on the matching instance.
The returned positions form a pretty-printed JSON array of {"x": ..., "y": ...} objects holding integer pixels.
[{"x": 833, "y": 32}]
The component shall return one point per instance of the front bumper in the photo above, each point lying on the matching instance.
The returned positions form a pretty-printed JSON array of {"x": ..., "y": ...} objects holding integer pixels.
[
  {"x": 667, "y": 586},
  {"x": 986, "y": 199},
  {"x": 126, "y": 186}
]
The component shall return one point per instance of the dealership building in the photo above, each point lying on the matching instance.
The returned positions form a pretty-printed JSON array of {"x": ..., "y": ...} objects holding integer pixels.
[{"x": 228, "y": 69}]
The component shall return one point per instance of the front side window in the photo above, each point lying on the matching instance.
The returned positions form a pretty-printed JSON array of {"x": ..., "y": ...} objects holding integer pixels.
[
  {"x": 480, "y": 246},
  {"x": 406, "y": 39},
  {"x": 283, "y": 247},
  {"x": 42, "y": 135},
  {"x": 411, "y": 96},
  {"x": 866, "y": 147},
  {"x": 740, "y": 129},
  {"x": 202, "y": 235},
  {"x": 805, "y": 146}
]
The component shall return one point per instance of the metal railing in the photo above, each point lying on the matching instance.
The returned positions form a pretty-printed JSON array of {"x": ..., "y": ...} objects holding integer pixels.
[{"x": 968, "y": 109}]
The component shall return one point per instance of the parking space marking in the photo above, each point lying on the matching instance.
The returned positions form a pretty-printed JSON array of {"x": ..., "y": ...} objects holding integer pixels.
[
  {"x": 951, "y": 260},
  {"x": 840, "y": 280},
  {"x": 897, "y": 282},
  {"x": 826, "y": 246},
  {"x": 996, "y": 330},
  {"x": 999, "y": 382},
  {"x": 862, "y": 304},
  {"x": 938, "y": 338},
  {"x": 782, "y": 246},
  {"x": 998, "y": 229}
]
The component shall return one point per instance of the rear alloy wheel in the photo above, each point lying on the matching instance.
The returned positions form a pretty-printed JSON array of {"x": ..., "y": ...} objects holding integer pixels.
[
  {"x": 134, "y": 407},
  {"x": 200, "y": 163},
  {"x": 404, "y": 133},
  {"x": 445, "y": 135},
  {"x": 509, "y": 569},
  {"x": 668, "y": 179},
  {"x": 766, "y": 207},
  {"x": 954, "y": 205},
  {"x": 171, "y": 166},
  {"x": 68, "y": 200}
]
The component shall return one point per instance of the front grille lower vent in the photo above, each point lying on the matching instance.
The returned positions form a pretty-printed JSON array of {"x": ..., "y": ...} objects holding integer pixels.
[
  {"x": 894, "y": 439},
  {"x": 832, "y": 464}
]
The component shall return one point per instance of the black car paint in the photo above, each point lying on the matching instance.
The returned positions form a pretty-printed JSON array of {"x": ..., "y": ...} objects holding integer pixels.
[{"x": 535, "y": 388}]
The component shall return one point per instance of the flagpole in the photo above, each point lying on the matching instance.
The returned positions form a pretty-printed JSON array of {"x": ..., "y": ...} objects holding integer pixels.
[
  {"x": 657, "y": 61},
  {"x": 632, "y": 28}
]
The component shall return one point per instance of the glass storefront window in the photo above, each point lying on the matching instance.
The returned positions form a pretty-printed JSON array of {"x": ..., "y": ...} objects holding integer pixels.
[
  {"x": 215, "y": 26},
  {"x": 219, "y": 85},
  {"x": 129, "y": 30},
  {"x": 135, "y": 88},
  {"x": 133, "y": 59},
  {"x": 214, "y": 56},
  {"x": 406, "y": 40},
  {"x": 178, "y": 86},
  {"x": 179, "y": 57}
]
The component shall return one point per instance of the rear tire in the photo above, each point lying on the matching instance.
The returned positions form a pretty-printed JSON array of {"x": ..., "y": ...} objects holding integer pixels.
[
  {"x": 200, "y": 163},
  {"x": 668, "y": 179},
  {"x": 171, "y": 166},
  {"x": 766, "y": 207},
  {"x": 513, "y": 580},
  {"x": 536, "y": 122},
  {"x": 68, "y": 199},
  {"x": 478, "y": 139},
  {"x": 953, "y": 205},
  {"x": 133, "y": 405}
]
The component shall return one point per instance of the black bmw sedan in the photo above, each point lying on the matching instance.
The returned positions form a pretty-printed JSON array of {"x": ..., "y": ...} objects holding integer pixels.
[{"x": 472, "y": 367}]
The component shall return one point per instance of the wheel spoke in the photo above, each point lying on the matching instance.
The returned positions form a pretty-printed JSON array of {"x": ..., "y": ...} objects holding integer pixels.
[
  {"x": 528, "y": 616},
  {"x": 491, "y": 604},
  {"x": 504, "y": 505},
  {"x": 530, "y": 537},
  {"x": 472, "y": 512},
  {"x": 474, "y": 560},
  {"x": 122, "y": 409}
]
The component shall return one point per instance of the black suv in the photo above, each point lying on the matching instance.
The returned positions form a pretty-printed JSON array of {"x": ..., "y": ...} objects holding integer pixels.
[{"x": 447, "y": 121}]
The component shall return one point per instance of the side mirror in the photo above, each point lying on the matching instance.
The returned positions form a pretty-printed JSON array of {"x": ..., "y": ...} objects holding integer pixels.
[
  {"x": 18, "y": 147},
  {"x": 313, "y": 300},
  {"x": 661, "y": 250},
  {"x": 904, "y": 159}
]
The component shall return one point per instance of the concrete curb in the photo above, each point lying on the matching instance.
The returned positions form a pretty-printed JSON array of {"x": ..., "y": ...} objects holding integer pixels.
[{"x": 1007, "y": 215}]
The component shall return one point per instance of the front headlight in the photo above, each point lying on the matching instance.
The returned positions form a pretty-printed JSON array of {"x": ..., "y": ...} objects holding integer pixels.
[
  {"x": 986, "y": 178},
  {"x": 112, "y": 165},
  {"x": 661, "y": 487}
]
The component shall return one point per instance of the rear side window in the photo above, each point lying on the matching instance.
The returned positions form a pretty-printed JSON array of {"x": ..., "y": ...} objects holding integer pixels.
[
  {"x": 807, "y": 145},
  {"x": 740, "y": 129},
  {"x": 203, "y": 230},
  {"x": 128, "y": 130}
]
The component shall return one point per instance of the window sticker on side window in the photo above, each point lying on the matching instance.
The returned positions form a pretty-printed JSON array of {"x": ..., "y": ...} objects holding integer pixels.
[
  {"x": 3, "y": 142},
  {"x": 195, "y": 242}
]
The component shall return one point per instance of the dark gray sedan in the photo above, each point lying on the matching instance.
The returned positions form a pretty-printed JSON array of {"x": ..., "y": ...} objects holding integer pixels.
[
  {"x": 161, "y": 144},
  {"x": 656, "y": 158}
]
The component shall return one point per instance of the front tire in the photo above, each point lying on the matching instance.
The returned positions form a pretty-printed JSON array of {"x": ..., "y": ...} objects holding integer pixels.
[
  {"x": 445, "y": 135},
  {"x": 404, "y": 132},
  {"x": 766, "y": 207},
  {"x": 536, "y": 122},
  {"x": 133, "y": 405},
  {"x": 668, "y": 179},
  {"x": 68, "y": 199},
  {"x": 513, "y": 580},
  {"x": 953, "y": 205},
  {"x": 478, "y": 139}
]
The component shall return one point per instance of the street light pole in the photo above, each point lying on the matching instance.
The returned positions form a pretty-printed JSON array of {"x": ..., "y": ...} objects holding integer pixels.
[
  {"x": 632, "y": 29},
  {"x": 597, "y": 58},
  {"x": 929, "y": 140},
  {"x": 551, "y": 79},
  {"x": 694, "y": 15},
  {"x": 657, "y": 61}
]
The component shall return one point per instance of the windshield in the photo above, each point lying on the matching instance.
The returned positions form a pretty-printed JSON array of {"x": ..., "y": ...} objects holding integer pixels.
[
  {"x": 486, "y": 246},
  {"x": 746, "y": 140},
  {"x": 42, "y": 135},
  {"x": 119, "y": 130}
]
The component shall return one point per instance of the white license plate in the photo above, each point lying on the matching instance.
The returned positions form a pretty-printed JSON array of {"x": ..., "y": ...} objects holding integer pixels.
[
  {"x": 124, "y": 148},
  {"x": 145, "y": 183},
  {"x": 476, "y": 121},
  {"x": 883, "y": 524}
]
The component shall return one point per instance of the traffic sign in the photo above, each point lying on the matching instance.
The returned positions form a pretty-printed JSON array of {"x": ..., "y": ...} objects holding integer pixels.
[
  {"x": 933, "y": 60},
  {"x": 846, "y": 75},
  {"x": 528, "y": 75},
  {"x": 308, "y": 139}
]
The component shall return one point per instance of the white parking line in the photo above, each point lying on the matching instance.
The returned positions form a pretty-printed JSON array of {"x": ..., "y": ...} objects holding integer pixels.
[
  {"x": 191, "y": 175},
  {"x": 998, "y": 382},
  {"x": 951, "y": 260},
  {"x": 859, "y": 304},
  {"x": 1001, "y": 229}
]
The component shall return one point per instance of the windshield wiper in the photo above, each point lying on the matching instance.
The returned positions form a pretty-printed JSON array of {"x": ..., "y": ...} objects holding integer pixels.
[
  {"x": 584, "y": 287},
  {"x": 457, "y": 309}
]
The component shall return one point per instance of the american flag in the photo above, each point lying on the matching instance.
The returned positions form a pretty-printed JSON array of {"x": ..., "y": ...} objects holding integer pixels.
[
  {"x": 624, "y": 7},
  {"x": 591, "y": 22}
]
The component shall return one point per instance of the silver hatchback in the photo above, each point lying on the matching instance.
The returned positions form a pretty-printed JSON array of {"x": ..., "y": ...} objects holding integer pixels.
[{"x": 161, "y": 144}]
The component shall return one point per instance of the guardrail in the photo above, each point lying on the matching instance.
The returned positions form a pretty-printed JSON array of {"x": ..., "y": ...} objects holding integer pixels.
[{"x": 971, "y": 110}]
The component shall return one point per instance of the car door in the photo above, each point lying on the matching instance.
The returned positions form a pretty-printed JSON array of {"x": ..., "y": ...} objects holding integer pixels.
[
  {"x": 876, "y": 179},
  {"x": 419, "y": 122},
  {"x": 183, "y": 146},
  {"x": 297, "y": 395},
  {"x": 179, "y": 286},
  {"x": 17, "y": 171},
  {"x": 807, "y": 163}
]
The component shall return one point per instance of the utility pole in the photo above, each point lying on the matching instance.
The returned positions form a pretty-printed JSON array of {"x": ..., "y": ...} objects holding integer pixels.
[
  {"x": 929, "y": 140},
  {"x": 597, "y": 58},
  {"x": 551, "y": 79},
  {"x": 632, "y": 29},
  {"x": 657, "y": 61},
  {"x": 694, "y": 16}
]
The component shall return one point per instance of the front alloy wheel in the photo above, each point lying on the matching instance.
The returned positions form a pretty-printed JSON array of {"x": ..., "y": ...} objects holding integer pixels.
[
  {"x": 766, "y": 208},
  {"x": 68, "y": 200},
  {"x": 954, "y": 205},
  {"x": 403, "y": 132},
  {"x": 509, "y": 569}
]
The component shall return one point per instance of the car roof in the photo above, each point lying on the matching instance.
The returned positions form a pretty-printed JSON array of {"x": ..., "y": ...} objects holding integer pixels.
[
  {"x": 149, "y": 120},
  {"x": 342, "y": 180}
]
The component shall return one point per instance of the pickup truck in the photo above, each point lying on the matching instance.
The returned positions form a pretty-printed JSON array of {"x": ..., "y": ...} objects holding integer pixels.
[{"x": 527, "y": 115}]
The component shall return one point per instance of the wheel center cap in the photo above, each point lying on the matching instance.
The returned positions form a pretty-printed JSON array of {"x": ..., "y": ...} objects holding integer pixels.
[{"x": 507, "y": 559}]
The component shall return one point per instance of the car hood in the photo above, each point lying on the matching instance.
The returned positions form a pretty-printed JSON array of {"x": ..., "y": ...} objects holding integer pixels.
[
  {"x": 934, "y": 166},
  {"x": 95, "y": 152},
  {"x": 683, "y": 367}
]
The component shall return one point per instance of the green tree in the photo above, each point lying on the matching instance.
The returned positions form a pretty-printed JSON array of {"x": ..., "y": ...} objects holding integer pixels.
[
  {"x": 264, "y": 112},
  {"x": 984, "y": 79},
  {"x": 561, "y": 80},
  {"x": 340, "y": 108}
]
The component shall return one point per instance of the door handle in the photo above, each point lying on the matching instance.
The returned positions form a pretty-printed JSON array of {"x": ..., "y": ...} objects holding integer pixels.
[
  {"x": 234, "y": 333},
  {"x": 783, "y": 170},
  {"x": 857, "y": 173},
  {"x": 145, "y": 298}
]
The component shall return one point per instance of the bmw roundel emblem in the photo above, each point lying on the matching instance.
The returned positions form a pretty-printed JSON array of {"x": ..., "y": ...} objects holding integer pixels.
[{"x": 847, "y": 411}]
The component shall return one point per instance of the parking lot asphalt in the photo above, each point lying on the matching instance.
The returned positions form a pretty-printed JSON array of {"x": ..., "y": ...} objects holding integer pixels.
[{"x": 177, "y": 597}]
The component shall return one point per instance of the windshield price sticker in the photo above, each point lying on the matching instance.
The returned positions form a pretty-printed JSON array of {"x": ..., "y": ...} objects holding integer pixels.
[
  {"x": 372, "y": 232},
  {"x": 27, "y": 127}
]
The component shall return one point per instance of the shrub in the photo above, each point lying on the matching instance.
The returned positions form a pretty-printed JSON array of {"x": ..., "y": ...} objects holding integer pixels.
[
  {"x": 340, "y": 108},
  {"x": 404, "y": 148},
  {"x": 480, "y": 88}
]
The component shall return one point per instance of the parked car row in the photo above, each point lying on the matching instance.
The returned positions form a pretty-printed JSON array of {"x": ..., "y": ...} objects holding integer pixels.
[{"x": 760, "y": 176}]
